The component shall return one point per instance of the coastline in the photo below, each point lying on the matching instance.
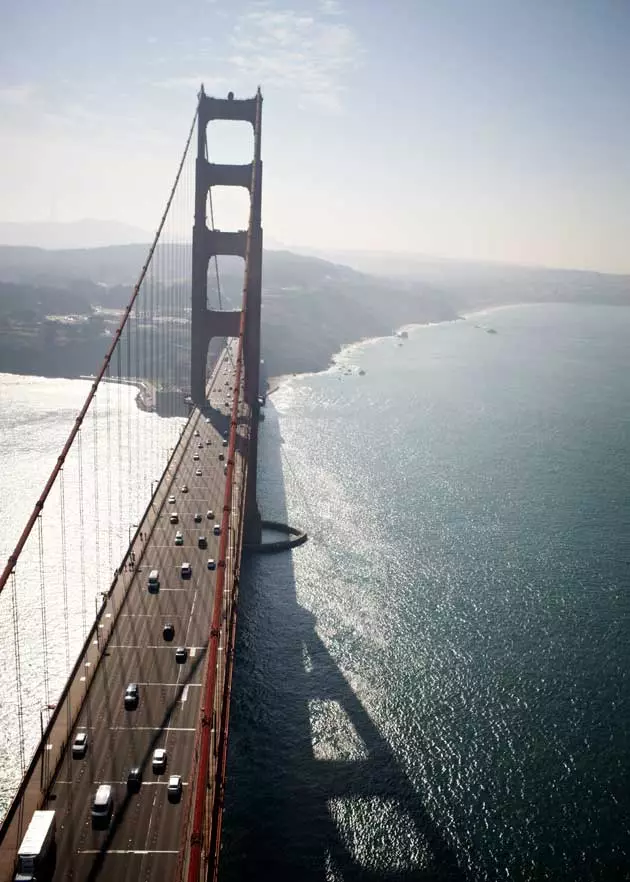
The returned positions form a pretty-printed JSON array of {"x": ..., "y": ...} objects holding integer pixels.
[{"x": 337, "y": 359}]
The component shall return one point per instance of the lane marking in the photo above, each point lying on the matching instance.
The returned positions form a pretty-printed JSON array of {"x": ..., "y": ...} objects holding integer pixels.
[
  {"x": 126, "y": 851},
  {"x": 115, "y": 783},
  {"x": 143, "y": 728},
  {"x": 138, "y": 683},
  {"x": 193, "y": 649}
]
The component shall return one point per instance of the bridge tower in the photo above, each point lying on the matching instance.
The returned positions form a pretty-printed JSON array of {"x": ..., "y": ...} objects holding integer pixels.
[{"x": 248, "y": 244}]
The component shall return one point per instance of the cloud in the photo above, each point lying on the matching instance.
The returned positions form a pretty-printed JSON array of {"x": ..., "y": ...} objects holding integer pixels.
[
  {"x": 306, "y": 52},
  {"x": 16, "y": 95}
]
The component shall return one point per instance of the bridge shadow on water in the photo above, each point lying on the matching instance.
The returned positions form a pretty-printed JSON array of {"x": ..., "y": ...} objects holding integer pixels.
[{"x": 282, "y": 816}]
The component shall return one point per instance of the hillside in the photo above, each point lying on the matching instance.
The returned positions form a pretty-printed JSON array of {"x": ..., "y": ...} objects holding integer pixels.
[{"x": 311, "y": 307}]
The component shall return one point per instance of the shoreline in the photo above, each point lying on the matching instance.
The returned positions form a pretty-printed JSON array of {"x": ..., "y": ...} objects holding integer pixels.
[{"x": 274, "y": 383}]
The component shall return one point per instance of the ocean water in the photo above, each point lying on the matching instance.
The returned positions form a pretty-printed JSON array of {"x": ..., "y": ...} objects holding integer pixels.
[
  {"x": 437, "y": 685},
  {"x": 106, "y": 487}
]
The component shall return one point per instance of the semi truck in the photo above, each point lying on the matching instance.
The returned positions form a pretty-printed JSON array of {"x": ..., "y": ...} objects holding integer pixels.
[{"x": 35, "y": 854}]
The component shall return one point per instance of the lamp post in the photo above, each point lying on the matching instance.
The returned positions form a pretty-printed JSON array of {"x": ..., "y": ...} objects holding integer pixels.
[{"x": 44, "y": 756}]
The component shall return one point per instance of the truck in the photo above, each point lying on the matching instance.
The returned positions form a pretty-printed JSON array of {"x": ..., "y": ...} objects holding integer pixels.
[{"x": 35, "y": 854}]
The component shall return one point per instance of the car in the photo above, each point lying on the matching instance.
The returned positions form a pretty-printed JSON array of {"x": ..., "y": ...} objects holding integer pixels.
[
  {"x": 171, "y": 499},
  {"x": 174, "y": 788},
  {"x": 179, "y": 538},
  {"x": 186, "y": 570},
  {"x": 202, "y": 542},
  {"x": 102, "y": 807},
  {"x": 208, "y": 443},
  {"x": 225, "y": 442},
  {"x": 160, "y": 758},
  {"x": 80, "y": 745},
  {"x": 134, "y": 779},
  {"x": 208, "y": 420},
  {"x": 212, "y": 564},
  {"x": 168, "y": 631},
  {"x": 132, "y": 696},
  {"x": 217, "y": 529},
  {"x": 174, "y": 517},
  {"x": 200, "y": 445},
  {"x": 210, "y": 514},
  {"x": 195, "y": 457},
  {"x": 185, "y": 488},
  {"x": 196, "y": 433},
  {"x": 198, "y": 473},
  {"x": 225, "y": 470},
  {"x": 197, "y": 517},
  {"x": 221, "y": 457},
  {"x": 181, "y": 654}
]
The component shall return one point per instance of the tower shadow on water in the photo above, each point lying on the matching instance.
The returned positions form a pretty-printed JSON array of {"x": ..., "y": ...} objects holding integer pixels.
[{"x": 279, "y": 822}]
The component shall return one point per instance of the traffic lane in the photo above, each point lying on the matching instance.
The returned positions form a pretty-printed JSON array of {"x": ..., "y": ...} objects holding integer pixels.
[
  {"x": 178, "y": 738},
  {"x": 143, "y": 624},
  {"x": 120, "y": 739},
  {"x": 106, "y": 709}
]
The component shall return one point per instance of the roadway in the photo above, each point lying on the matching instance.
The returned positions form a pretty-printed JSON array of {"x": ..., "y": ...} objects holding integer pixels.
[{"x": 145, "y": 835}]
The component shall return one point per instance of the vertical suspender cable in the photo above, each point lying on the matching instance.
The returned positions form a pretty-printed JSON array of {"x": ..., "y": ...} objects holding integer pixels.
[
  {"x": 43, "y": 610},
  {"x": 135, "y": 339},
  {"x": 97, "y": 518},
  {"x": 18, "y": 668},
  {"x": 108, "y": 472},
  {"x": 128, "y": 408},
  {"x": 64, "y": 567},
  {"x": 119, "y": 437},
  {"x": 82, "y": 536}
]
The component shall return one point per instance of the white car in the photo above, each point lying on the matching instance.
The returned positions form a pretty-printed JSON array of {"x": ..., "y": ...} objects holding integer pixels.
[
  {"x": 196, "y": 433},
  {"x": 159, "y": 760},
  {"x": 79, "y": 745},
  {"x": 174, "y": 517},
  {"x": 185, "y": 488},
  {"x": 171, "y": 499},
  {"x": 174, "y": 788},
  {"x": 198, "y": 473}
]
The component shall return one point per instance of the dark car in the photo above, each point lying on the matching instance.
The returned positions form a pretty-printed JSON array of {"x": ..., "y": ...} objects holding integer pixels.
[
  {"x": 202, "y": 542},
  {"x": 181, "y": 654},
  {"x": 221, "y": 457},
  {"x": 134, "y": 779},
  {"x": 168, "y": 632},
  {"x": 132, "y": 696},
  {"x": 197, "y": 518}
]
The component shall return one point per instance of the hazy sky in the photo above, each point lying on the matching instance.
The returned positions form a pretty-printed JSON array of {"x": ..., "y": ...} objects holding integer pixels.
[{"x": 491, "y": 129}]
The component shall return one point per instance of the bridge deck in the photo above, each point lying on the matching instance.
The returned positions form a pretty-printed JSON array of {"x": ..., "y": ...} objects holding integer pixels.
[{"x": 145, "y": 835}]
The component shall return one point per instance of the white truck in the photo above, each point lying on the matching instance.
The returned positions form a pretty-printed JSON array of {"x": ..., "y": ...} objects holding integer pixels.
[{"x": 36, "y": 850}]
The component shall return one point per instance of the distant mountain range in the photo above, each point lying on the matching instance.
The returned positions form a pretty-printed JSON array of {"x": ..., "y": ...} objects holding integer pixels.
[
  {"x": 86, "y": 233},
  {"x": 311, "y": 306}
]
